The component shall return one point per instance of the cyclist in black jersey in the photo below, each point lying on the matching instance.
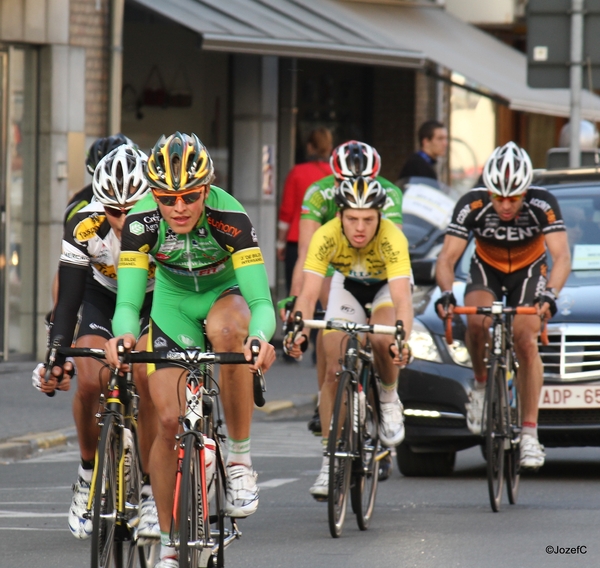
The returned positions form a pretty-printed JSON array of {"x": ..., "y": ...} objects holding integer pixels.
[
  {"x": 513, "y": 224},
  {"x": 87, "y": 278}
]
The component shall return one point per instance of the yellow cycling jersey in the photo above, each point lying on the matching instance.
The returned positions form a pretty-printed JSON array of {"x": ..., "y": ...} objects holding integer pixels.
[{"x": 384, "y": 258}]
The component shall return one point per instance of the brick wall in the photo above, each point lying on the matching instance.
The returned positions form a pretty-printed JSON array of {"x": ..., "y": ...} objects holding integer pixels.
[
  {"x": 393, "y": 118},
  {"x": 89, "y": 28}
]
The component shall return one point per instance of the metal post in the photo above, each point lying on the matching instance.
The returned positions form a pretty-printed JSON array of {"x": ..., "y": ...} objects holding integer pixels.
[{"x": 576, "y": 71}]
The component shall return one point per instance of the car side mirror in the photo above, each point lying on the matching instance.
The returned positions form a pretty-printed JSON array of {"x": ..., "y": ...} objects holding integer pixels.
[{"x": 424, "y": 271}]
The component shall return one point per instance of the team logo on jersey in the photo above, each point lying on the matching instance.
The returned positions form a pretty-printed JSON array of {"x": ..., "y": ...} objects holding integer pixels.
[
  {"x": 202, "y": 232},
  {"x": 253, "y": 235},
  {"x": 347, "y": 309},
  {"x": 160, "y": 342},
  {"x": 224, "y": 227},
  {"x": 137, "y": 228},
  {"x": 185, "y": 340},
  {"x": 87, "y": 229},
  {"x": 161, "y": 256}
]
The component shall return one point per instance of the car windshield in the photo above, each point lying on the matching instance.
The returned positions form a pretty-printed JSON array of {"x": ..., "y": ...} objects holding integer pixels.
[{"x": 580, "y": 208}]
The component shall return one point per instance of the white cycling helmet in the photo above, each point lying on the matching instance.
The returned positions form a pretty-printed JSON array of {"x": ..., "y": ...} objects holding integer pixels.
[
  {"x": 119, "y": 179},
  {"x": 353, "y": 159},
  {"x": 360, "y": 193},
  {"x": 508, "y": 171}
]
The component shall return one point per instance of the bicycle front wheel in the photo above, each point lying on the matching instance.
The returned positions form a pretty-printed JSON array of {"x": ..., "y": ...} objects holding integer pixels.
[
  {"x": 192, "y": 525},
  {"x": 365, "y": 473},
  {"x": 495, "y": 436},
  {"x": 512, "y": 465},
  {"x": 112, "y": 542},
  {"x": 340, "y": 448}
]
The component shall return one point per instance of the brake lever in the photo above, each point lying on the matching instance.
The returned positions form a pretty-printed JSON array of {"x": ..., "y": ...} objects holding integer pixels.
[
  {"x": 259, "y": 384},
  {"x": 52, "y": 355}
]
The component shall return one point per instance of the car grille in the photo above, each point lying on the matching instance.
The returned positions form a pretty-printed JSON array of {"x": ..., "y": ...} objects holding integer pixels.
[
  {"x": 569, "y": 417},
  {"x": 573, "y": 352}
]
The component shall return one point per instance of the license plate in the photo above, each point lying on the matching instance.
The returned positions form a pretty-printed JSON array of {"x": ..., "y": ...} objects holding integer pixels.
[{"x": 570, "y": 396}]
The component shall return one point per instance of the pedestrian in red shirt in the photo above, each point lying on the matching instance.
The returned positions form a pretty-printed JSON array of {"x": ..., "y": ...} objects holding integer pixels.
[{"x": 301, "y": 176}]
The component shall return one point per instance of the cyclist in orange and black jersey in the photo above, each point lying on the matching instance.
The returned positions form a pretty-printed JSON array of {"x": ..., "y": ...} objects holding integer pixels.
[{"x": 513, "y": 224}]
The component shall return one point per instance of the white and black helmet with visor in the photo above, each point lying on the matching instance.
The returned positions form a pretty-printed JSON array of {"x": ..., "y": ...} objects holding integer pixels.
[
  {"x": 119, "y": 181},
  {"x": 508, "y": 171},
  {"x": 360, "y": 193}
]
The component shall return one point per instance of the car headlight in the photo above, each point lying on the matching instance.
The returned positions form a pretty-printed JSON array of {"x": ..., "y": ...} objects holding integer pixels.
[
  {"x": 458, "y": 352},
  {"x": 422, "y": 344}
]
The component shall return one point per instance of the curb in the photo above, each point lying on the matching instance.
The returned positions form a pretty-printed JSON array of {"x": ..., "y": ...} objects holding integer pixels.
[{"x": 23, "y": 447}]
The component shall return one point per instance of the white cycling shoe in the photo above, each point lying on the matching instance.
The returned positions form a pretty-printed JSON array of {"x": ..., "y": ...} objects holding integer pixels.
[
  {"x": 391, "y": 426},
  {"x": 81, "y": 528},
  {"x": 532, "y": 452},
  {"x": 242, "y": 492},
  {"x": 475, "y": 410}
]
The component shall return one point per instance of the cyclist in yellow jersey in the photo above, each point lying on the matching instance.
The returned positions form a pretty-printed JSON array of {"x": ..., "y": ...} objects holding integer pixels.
[{"x": 372, "y": 266}]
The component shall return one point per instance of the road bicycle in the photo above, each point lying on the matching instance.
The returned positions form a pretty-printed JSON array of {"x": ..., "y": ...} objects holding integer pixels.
[
  {"x": 502, "y": 420},
  {"x": 115, "y": 491},
  {"x": 353, "y": 442},
  {"x": 198, "y": 526}
]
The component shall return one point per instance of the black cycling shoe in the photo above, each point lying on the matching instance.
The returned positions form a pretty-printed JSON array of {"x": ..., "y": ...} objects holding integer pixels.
[
  {"x": 385, "y": 467},
  {"x": 314, "y": 424}
]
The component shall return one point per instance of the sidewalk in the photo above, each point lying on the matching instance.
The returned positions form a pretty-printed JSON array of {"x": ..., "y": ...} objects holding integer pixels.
[{"x": 31, "y": 421}]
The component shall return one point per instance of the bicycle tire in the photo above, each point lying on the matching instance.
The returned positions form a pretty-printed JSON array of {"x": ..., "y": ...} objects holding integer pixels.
[
  {"x": 340, "y": 448},
  {"x": 512, "y": 464},
  {"x": 365, "y": 471},
  {"x": 495, "y": 434},
  {"x": 112, "y": 542},
  {"x": 217, "y": 505},
  {"x": 190, "y": 508}
]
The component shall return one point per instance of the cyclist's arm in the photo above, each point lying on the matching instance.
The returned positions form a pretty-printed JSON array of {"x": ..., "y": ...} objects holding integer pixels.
[
  {"x": 558, "y": 246},
  {"x": 307, "y": 300},
  {"x": 444, "y": 269},
  {"x": 132, "y": 278},
  {"x": 308, "y": 227},
  {"x": 402, "y": 300}
]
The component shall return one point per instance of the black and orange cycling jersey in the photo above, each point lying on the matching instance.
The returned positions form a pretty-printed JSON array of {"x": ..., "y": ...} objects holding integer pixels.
[{"x": 512, "y": 245}]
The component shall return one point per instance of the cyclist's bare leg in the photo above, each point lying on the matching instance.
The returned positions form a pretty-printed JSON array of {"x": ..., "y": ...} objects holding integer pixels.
[
  {"x": 227, "y": 328},
  {"x": 531, "y": 372},
  {"x": 478, "y": 330},
  {"x": 334, "y": 343},
  {"x": 163, "y": 455},
  {"x": 388, "y": 372},
  {"x": 146, "y": 412},
  {"x": 92, "y": 378}
]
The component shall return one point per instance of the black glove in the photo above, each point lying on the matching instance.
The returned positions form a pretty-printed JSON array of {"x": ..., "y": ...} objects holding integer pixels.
[
  {"x": 446, "y": 300},
  {"x": 547, "y": 297}
]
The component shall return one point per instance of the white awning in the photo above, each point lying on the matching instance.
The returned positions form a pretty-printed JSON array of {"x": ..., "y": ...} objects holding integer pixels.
[{"x": 368, "y": 33}]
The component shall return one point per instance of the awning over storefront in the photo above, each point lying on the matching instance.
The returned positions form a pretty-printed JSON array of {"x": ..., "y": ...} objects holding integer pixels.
[
  {"x": 286, "y": 28},
  {"x": 361, "y": 31},
  {"x": 478, "y": 56}
]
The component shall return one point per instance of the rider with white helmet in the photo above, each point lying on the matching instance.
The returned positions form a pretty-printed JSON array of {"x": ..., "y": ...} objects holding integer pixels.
[{"x": 513, "y": 224}]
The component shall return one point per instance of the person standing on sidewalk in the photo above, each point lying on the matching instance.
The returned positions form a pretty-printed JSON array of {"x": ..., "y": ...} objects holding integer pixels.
[
  {"x": 301, "y": 176},
  {"x": 433, "y": 144}
]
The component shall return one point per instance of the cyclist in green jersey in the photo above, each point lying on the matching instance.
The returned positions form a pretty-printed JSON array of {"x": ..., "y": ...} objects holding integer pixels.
[{"x": 209, "y": 267}]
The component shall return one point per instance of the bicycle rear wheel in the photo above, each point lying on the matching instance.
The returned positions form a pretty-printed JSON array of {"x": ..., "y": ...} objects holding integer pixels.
[
  {"x": 192, "y": 509},
  {"x": 496, "y": 424},
  {"x": 365, "y": 471},
  {"x": 112, "y": 541},
  {"x": 340, "y": 448},
  {"x": 512, "y": 465}
]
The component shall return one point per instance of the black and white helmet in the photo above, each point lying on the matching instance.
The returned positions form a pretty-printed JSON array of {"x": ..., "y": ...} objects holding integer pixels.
[
  {"x": 353, "y": 159},
  {"x": 508, "y": 171},
  {"x": 119, "y": 179},
  {"x": 360, "y": 193}
]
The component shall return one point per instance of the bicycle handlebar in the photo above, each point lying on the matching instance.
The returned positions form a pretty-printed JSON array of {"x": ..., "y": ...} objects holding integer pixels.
[
  {"x": 185, "y": 356},
  {"x": 349, "y": 326},
  {"x": 493, "y": 310}
]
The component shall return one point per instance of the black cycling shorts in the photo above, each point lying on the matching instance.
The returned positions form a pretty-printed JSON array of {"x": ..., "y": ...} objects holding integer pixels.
[
  {"x": 520, "y": 288},
  {"x": 97, "y": 309}
]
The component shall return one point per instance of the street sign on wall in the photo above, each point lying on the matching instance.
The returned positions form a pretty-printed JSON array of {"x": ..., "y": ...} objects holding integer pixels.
[{"x": 549, "y": 43}]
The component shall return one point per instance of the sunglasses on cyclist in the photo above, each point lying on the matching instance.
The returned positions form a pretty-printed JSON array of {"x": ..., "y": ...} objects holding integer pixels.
[
  {"x": 115, "y": 211},
  {"x": 511, "y": 198},
  {"x": 170, "y": 198}
]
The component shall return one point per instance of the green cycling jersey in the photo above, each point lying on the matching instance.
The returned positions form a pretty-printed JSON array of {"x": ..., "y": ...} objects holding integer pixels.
[
  {"x": 319, "y": 201},
  {"x": 219, "y": 254}
]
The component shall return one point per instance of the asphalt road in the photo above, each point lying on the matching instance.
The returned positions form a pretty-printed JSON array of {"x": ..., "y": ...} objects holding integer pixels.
[{"x": 418, "y": 522}]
